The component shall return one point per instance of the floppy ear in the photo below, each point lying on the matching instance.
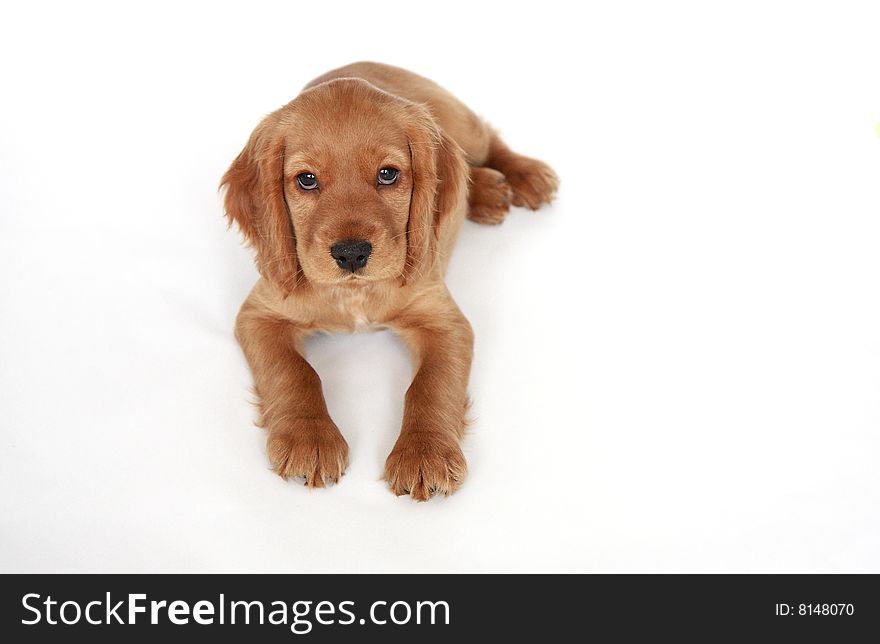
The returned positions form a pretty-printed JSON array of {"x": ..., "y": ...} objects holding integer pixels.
[
  {"x": 439, "y": 179},
  {"x": 255, "y": 201}
]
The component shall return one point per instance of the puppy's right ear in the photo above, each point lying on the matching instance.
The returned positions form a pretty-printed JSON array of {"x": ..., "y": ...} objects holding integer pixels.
[{"x": 255, "y": 201}]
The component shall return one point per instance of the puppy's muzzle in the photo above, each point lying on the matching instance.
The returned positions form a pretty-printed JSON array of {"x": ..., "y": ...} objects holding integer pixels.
[{"x": 351, "y": 255}]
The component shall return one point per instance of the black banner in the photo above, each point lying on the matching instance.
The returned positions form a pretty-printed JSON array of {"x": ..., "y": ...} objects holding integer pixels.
[{"x": 328, "y": 608}]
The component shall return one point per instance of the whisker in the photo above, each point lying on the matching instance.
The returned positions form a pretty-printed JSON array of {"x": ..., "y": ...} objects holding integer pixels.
[
  {"x": 280, "y": 259},
  {"x": 398, "y": 236}
]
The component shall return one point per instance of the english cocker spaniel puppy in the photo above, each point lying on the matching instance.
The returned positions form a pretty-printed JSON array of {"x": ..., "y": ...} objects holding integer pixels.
[{"x": 352, "y": 196}]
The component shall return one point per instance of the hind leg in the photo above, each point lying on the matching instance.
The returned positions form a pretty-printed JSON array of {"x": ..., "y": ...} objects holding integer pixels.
[
  {"x": 489, "y": 196},
  {"x": 532, "y": 182}
]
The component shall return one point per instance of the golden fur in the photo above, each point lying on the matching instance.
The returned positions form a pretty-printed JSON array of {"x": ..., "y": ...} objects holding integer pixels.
[{"x": 344, "y": 127}]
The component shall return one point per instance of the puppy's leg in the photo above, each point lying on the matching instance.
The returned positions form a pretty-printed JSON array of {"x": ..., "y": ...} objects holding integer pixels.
[
  {"x": 302, "y": 440},
  {"x": 532, "y": 182},
  {"x": 489, "y": 196},
  {"x": 427, "y": 459}
]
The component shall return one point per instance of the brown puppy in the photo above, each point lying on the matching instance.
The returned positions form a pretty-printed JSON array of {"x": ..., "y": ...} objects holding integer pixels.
[{"x": 352, "y": 196}]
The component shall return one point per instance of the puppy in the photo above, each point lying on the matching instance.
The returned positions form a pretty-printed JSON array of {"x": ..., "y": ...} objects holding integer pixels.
[{"x": 352, "y": 196}]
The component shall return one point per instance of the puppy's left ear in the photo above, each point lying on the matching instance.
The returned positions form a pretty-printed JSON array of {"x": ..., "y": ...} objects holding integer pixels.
[{"x": 440, "y": 176}]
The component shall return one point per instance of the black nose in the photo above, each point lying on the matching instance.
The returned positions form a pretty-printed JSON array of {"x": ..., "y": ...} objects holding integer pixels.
[{"x": 352, "y": 254}]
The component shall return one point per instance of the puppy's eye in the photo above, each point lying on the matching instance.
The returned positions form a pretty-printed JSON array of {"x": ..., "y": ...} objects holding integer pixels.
[
  {"x": 387, "y": 176},
  {"x": 307, "y": 181}
]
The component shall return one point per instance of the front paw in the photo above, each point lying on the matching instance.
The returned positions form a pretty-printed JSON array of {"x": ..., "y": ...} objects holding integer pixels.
[
  {"x": 308, "y": 448},
  {"x": 425, "y": 464}
]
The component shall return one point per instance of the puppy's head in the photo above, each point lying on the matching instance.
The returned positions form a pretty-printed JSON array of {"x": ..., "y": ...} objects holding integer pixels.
[{"x": 345, "y": 183}]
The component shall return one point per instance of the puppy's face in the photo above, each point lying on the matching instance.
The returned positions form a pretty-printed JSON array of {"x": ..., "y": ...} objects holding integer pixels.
[
  {"x": 347, "y": 183},
  {"x": 343, "y": 185}
]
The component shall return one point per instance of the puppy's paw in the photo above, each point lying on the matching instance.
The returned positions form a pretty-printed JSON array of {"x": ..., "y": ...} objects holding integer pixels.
[
  {"x": 425, "y": 464},
  {"x": 489, "y": 196},
  {"x": 312, "y": 449},
  {"x": 533, "y": 182}
]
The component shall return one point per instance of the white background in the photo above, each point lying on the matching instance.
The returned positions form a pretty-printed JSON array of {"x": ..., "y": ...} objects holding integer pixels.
[{"x": 677, "y": 364}]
